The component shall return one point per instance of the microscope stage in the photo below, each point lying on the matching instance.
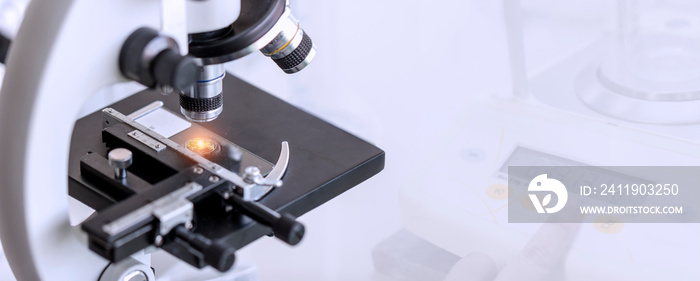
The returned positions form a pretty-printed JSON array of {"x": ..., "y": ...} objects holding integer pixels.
[{"x": 324, "y": 161}]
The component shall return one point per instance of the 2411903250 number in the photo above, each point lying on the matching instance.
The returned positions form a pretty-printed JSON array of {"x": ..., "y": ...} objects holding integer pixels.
[{"x": 657, "y": 189}]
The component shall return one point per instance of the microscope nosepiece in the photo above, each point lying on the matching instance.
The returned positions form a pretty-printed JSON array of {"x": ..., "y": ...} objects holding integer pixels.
[
  {"x": 204, "y": 102},
  {"x": 292, "y": 49}
]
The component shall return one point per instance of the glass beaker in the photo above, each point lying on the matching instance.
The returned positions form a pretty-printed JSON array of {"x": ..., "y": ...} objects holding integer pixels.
[{"x": 658, "y": 51}]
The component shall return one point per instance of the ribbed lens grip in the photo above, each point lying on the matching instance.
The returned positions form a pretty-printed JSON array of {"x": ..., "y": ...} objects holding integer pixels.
[
  {"x": 201, "y": 105},
  {"x": 298, "y": 55}
]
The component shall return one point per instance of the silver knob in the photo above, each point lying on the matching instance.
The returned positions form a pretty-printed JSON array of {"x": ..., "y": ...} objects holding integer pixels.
[
  {"x": 252, "y": 175},
  {"x": 120, "y": 159}
]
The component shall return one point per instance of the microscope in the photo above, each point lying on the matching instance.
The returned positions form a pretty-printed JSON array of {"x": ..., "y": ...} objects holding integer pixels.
[{"x": 199, "y": 187}]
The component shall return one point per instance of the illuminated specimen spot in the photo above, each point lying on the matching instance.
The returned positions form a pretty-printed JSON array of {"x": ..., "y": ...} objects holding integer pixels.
[{"x": 202, "y": 146}]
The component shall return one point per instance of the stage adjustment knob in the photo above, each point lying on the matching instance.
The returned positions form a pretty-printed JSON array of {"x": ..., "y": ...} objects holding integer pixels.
[{"x": 120, "y": 159}]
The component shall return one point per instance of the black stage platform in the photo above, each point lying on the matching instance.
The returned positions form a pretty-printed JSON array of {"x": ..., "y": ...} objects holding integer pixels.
[{"x": 324, "y": 162}]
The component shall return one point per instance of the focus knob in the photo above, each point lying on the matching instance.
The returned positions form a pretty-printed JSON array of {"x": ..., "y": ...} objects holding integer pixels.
[{"x": 154, "y": 60}]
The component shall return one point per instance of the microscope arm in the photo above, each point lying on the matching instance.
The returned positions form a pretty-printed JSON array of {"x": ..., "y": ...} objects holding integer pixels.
[{"x": 64, "y": 52}]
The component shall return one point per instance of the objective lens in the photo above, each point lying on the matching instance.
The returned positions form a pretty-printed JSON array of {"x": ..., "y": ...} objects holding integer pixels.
[
  {"x": 292, "y": 49},
  {"x": 204, "y": 102}
]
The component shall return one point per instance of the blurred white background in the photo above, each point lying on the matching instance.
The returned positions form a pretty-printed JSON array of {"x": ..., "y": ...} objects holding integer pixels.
[{"x": 395, "y": 73}]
